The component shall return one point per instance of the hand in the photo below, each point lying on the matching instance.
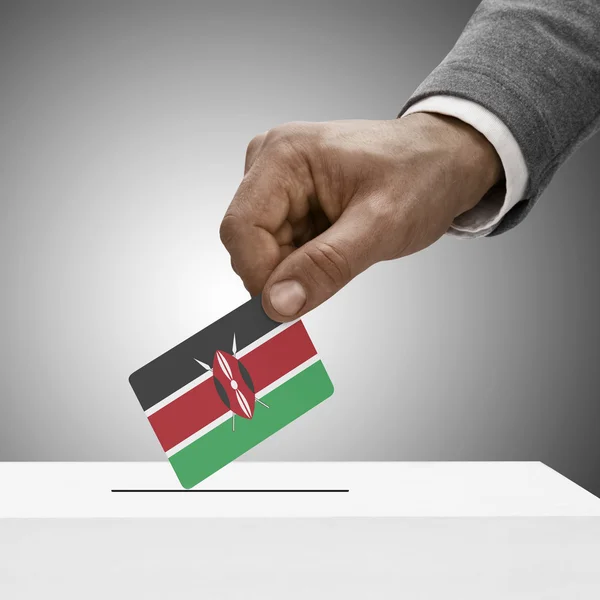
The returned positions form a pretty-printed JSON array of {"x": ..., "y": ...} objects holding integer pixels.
[{"x": 322, "y": 202}]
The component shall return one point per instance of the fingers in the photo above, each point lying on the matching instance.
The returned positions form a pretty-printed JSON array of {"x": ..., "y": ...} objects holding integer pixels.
[
  {"x": 257, "y": 229},
  {"x": 254, "y": 250},
  {"x": 317, "y": 270}
]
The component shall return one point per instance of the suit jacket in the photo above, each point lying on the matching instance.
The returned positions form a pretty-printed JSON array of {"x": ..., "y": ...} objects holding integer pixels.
[{"x": 536, "y": 65}]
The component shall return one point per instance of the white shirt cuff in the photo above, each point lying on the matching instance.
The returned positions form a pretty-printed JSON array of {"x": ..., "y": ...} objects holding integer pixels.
[{"x": 485, "y": 216}]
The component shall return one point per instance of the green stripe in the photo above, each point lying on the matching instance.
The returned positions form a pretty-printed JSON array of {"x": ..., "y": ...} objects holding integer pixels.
[{"x": 221, "y": 445}]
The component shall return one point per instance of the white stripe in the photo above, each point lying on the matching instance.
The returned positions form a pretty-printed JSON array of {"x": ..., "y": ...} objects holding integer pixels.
[
  {"x": 186, "y": 388},
  {"x": 307, "y": 363},
  {"x": 196, "y": 436},
  {"x": 311, "y": 361},
  {"x": 204, "y": 376},
  {"x": 264, "y": 338}
]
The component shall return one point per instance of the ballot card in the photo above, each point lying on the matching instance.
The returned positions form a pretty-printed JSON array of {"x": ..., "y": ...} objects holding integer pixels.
[{"x": 224, "y": 390}]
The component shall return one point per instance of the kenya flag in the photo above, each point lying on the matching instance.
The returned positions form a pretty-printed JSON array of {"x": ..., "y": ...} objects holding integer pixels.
[{"x": 227, "y": 388}]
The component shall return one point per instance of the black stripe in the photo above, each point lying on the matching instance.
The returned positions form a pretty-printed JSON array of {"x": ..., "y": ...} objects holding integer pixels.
[{"x": 177, "y": 367}]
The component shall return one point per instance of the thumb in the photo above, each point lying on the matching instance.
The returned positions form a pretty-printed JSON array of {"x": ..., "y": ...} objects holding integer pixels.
[{"x": 321, "y": 267}]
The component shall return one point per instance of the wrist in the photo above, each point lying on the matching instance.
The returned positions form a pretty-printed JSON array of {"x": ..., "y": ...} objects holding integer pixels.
[{"x": 471, "y": 160}]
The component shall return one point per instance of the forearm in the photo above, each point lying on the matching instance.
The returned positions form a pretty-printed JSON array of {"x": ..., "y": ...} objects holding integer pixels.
[{"x": 535, "y": 64}]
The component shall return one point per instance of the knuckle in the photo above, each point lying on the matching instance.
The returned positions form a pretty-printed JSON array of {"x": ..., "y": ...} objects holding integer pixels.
[
  {"x": 289, "y": 145},
  {"x": 228, "y": 229},
  {"x": 287, "y": 134},
  {"x": 253, "y": 147},
  {"x": 329, "y": 262},
  {"x": 275, "y": 135}
]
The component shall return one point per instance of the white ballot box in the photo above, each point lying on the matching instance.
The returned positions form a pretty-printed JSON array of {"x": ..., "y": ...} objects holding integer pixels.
[{"x": 297, "y": 530}]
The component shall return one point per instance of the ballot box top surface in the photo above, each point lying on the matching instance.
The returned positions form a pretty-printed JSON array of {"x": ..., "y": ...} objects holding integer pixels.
[{"x": 293, "y": 489}]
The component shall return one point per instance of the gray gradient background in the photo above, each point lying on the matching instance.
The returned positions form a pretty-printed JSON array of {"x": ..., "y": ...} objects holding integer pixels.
[{"x": 123, "y": 128}]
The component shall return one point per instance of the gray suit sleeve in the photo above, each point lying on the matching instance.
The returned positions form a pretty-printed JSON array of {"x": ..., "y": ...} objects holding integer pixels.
[{"x": 536, "y": 65}]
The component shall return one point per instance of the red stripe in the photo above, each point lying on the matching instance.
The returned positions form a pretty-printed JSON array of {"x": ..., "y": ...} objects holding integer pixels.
[
  {"x": 201, "y": 405},
  {"x": 278, "y": 356}
]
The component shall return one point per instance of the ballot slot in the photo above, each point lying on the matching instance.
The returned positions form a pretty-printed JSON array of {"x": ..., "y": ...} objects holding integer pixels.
[{"x": 249, "y": 491}]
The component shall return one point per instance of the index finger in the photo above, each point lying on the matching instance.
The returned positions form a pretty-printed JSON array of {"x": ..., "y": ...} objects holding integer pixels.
[{"x": 254, "y": 230}]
